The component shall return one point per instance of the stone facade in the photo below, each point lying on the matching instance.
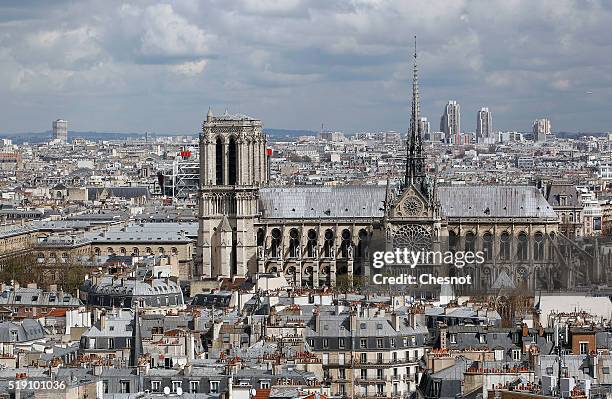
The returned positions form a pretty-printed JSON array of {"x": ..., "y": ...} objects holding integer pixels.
[
  {"x": 233, "y": 165},
  {"x": 321, "y": 236},
  {"x": 317, "y": 236}
]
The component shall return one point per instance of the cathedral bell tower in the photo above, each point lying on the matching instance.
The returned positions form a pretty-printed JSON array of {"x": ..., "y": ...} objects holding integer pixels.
[{"x": 233, "y": 166}]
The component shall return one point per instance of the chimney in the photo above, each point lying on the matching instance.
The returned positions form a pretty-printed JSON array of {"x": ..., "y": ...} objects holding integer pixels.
[
  {"x": 317, "y": 316},
  {"x": 443, "y": 328},
  {"x": 353, "y": 320},
  {"x": 103, "y": 321},
  {"x": 411, "y": 318},
  {"x": 396, "y": 320}
]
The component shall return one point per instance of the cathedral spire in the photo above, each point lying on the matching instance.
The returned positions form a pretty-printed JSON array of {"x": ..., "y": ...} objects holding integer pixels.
[{"x": 415, "y": 162}]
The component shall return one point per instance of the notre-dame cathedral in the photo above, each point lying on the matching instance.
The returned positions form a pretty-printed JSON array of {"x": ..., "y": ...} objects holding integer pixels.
[{"x": 318, "y": 235}]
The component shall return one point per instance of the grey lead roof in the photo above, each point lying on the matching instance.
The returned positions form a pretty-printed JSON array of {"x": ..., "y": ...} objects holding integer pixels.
[
  {"x": 28, "y": 330},
  {"x": 494, "y": 201},
  {"x": 314, "y": 202},
  {"x": 37, "y": 297}
]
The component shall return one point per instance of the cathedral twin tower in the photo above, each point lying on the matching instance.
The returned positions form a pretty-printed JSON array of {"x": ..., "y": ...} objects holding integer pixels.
[
  {"x": 237, "y": 238},
  {"x": 319, "y": 236},
  {"x": 233, "y": 165}
]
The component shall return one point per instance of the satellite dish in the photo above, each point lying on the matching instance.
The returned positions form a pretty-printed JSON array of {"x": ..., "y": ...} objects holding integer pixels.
[
  {"x": 179, "y": 391},
  {"x": 253, "y": 392},
  {"x": 166, "y": 390}
]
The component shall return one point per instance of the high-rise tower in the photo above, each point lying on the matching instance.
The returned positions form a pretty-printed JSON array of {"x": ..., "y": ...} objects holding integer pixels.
[
  {"x": 415, "y": 162},
  {"x": 60, "y": 130},
  {"x": 233, "y": 166},
  {"x": 425, "y": 127},
  {"x": 450, "y": 123},
  {"x": 541, "y": 128},
  {"x": 484, "y": 124}
]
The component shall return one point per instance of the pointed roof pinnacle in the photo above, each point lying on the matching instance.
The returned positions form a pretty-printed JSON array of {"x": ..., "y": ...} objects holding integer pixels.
[
  {"x": 415, "y": 88},
  {"x": 414, "y": 144}
]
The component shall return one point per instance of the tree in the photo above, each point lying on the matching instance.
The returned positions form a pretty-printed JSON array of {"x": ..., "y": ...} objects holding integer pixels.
[
  {"x": 20, "y": 268},
  {"x": 72, "y": 276}
]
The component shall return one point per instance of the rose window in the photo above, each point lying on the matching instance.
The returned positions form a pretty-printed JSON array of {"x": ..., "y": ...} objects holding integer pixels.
[
  {"x": 412, "y": 207},
  {"x": 413, "y": 237}
]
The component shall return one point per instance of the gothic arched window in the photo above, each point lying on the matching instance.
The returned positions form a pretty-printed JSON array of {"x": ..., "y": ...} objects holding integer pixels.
[
  {"x": 521, "y": 247},
  {"x": 219, "y": 161},
  {"x": 275, "y": 246},
  {"x": 453, "y": 241},
  {"x": 470, "y": 242},
  {"x": 487, "y": 245},
  {"x": 551, "y": 245},
  {"x": 328, "y": 247},
  {"x": 346, "y": 243},
  {"x": 261, "y": 237},
  {"x": 504, "y": 246},
  {"x": 538, "y": 246},
  {"x": 294, "y": 243},
  {"x": 232, "y": 161},
  {"x": 311, "y": 245},
  {"x": 363, "y": 236}
]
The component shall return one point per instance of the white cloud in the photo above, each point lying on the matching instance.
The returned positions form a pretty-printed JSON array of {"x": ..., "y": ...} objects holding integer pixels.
[
  {"x": 322, "y": 58},
  {"x": 63, "y": 48},
  {"x": 190, "y": 68},
  {"x": 166, "y": 33}
]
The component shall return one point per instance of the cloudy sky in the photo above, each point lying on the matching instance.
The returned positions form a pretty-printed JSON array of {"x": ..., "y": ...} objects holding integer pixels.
[{"x": 157, "y": 66}]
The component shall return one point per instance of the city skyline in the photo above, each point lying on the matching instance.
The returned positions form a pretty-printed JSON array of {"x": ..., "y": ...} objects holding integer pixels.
[
  {"x": 278, "y": 199},
  {"x": 298, "y": 64}
]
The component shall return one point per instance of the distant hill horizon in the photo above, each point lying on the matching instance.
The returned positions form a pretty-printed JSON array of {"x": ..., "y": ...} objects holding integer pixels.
[
  {"x": 274, "y": 134},
  {"x": 40, "y": 137}
]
